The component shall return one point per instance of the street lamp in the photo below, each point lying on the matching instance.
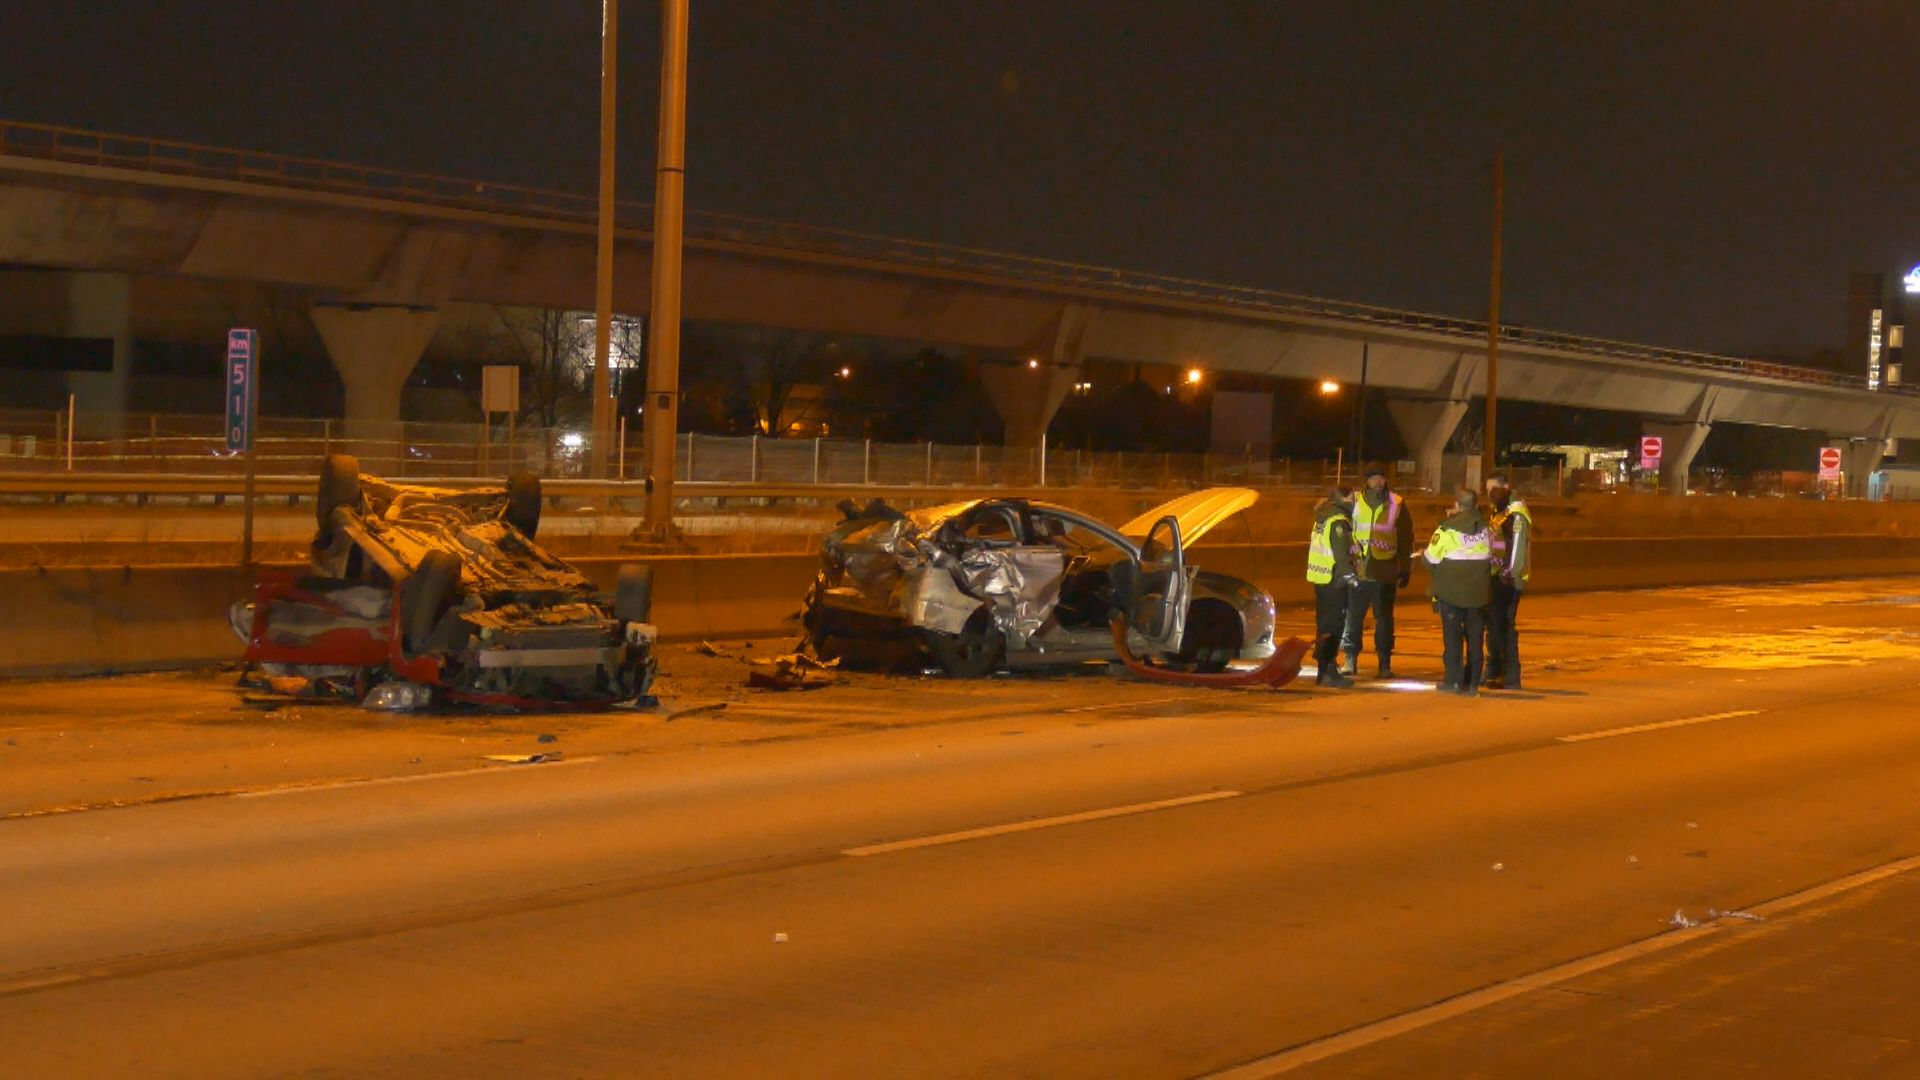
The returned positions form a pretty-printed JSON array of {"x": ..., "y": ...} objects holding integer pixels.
[
  {"x": 1328, "y": 387},
  {"x": 1194, "y": 375}
]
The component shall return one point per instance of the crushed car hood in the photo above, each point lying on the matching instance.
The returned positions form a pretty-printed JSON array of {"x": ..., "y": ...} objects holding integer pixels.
[{"x": 1197, "y": 512}]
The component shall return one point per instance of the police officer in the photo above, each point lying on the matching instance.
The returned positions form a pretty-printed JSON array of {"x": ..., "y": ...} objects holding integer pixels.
[
  {"x": 1330, "y": 569},
  {"x": 1383, "y": 541},
  {"x": 1512, "y": 526},
  {"x": 1460, "y": 556}
]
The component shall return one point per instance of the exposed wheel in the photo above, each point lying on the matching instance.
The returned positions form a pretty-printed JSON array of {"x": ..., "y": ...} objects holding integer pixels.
[
  {"x": 819, "y": 637},
  {"x": 523, "y": 503},
  {"x": 339, "y": 486},
  {"x": 971, "y": 653},
  {"x": 633, "y": 594},
  {"x": 425, "y": 595},
  {"x": 1212, "y": 637}
]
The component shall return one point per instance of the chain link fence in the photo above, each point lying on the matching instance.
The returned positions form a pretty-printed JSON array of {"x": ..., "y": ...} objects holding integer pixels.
[{"x": 48, "y": 441}]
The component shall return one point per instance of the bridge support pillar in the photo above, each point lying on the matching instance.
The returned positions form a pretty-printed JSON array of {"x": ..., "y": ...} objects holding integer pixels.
[
  {"x": 1679, "y": 443},
  {"x": 1028, "y": 392},
  {"x": 1027, "y": 398},
  {"x": 100, "y": 306},
  {"x": 1425, "y": 426},
  {"x": 374, "y": 348},
  {"x": 1859, "y": 458}
]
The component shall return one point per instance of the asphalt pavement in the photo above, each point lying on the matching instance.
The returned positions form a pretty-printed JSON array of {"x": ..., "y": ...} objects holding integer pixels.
[{"x": 1069, "y": 875}]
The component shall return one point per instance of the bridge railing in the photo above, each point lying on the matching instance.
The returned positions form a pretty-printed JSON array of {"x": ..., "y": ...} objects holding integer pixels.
[{"x": 207, "y": 162}]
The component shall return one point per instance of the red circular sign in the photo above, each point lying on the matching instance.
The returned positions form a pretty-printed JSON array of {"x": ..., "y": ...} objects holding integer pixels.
[
  {"x": 1829, "y": 457},
  {"x": 1650, "y": 446}
]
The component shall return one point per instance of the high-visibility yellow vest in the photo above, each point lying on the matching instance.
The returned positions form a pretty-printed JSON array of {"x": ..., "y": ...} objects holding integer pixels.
[
  {"x": 1320, "y": 551},
  {"x": 1499, "y": 525},
  {"x": 1449, "y": 545},
  {"x": 1375, "y": 528}
]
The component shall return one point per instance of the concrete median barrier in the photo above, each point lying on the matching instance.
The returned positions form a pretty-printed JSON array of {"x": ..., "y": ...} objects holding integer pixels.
[
  {"x": 1589, "y": 564},
  {"x": 705, "y": 596},
  {"x": 99, "y": 620},
  {"x": 96, "y": 620}
]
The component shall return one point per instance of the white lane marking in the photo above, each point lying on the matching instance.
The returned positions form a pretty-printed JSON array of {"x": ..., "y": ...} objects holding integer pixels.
[
  {"x": 1037, "y": 823},
  {"x": 1367, "y": 1035},
  {"x": 376, "y": 781},
  {"x": 1638, "y": 728},
  {"x": 1124, "y": 704}
]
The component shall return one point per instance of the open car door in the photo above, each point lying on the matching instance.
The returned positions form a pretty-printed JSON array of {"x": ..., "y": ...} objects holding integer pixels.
[
  {"x": 1150, "y": 600},
  {"x": 1157, "y": 605}
]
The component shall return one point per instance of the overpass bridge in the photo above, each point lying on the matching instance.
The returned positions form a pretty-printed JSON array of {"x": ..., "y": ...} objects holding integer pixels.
[{"x": 384, "y": 252}]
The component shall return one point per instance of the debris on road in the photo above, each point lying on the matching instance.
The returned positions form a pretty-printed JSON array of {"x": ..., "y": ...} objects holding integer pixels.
[
  {"x": 780, "y": 939},
  {"x": 794, "y": 671},
  {"x": 548, "y": 739},
  {"x": 397, "y": 696},
  {"x": 708, "y": 648},
  {"x": 522, "y": 759},
  {"x": 1280, "y": 669},
  {"x": 1499, "y": 866},
  {"x": 1681, "y": 920},
  {"x": 710, "y": 707}
]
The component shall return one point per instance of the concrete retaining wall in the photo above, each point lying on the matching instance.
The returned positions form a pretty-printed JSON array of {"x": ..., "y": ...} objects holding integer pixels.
[
  {"x": 1590, "y": 564},
  {"x": 88, "y": 621}
]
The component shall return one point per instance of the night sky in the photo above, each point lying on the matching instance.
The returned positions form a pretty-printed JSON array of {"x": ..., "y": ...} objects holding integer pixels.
[{"x": 1693, "y": 174}]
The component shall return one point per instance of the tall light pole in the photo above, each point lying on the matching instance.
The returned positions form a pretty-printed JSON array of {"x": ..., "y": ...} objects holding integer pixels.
[
  {"x": 669, "y": 195},
  {"x": 1357, "y": 422},
  {"x": 603, "y": 264},
  {"x": 1489, "y": 446}
]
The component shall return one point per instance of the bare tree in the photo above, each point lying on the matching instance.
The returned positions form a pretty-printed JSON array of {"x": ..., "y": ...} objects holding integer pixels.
[
  {"x": 556, "y": 359},
  {"x": 775, "y": 363}
]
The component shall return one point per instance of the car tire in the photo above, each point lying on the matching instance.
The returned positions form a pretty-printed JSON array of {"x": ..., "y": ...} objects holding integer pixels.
[
  {"x": 339, "y": 486},
  {"x": 820, "y": 638},
  {"x": 425, "y": 595},
  {"x": 1212, "y": 637},
  {"x": 633, "y": 594},
  {"x": 973, "y": 652},
  {"x": 523, "y": 503}
]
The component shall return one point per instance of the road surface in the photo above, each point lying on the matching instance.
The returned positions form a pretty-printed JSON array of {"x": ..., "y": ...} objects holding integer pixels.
[{"x": 1058, "y": 876}]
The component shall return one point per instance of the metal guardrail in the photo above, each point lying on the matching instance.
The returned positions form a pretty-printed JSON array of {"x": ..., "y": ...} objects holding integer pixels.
[{"x": 50, "y": 142}]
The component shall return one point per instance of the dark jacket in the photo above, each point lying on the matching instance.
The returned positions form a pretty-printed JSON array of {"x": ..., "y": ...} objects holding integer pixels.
[
  {"x": 1516, "y": 537},
  {"x": 1340, "y": 535},
  {"x": 1462, "y": 582},
  {"x": 1402, "y": 561}
]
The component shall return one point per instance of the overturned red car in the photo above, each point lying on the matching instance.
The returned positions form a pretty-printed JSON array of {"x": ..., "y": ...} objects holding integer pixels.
[{"x": 418, "y": 594}]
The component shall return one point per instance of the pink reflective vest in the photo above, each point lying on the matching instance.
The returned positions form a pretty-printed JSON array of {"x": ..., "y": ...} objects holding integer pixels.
[{"x": 1374, "y": 533}]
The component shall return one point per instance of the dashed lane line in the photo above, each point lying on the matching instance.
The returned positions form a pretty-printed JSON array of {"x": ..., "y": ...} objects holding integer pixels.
[
  {"x": 1636, "y": 729},
  {"x": 1037, "y": 823},
  {"x": 1381, "y": 1030}
]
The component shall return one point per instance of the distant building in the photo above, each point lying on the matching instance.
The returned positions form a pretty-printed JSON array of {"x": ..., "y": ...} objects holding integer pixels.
[{"x": 1877, "y": 306}]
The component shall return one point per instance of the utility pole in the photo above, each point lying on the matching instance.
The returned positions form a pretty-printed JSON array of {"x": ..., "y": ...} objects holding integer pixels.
[
  {"x": 663, "y": 352},
  {"x": 1358, "y": 434},
  {"x": 1490, "y": 443},
  {"x": 603, "y": 264}
]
